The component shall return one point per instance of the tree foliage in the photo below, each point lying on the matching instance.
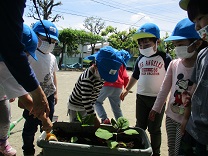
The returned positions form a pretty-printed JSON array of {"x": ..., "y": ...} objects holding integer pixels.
[
  {"x": 167, "y": 47},
  {"x": 121, "y": 39},
  {"x": 45, "y": 8},
  {"x": 95, "y": 26},
  {"x": 71, "y": 39}
]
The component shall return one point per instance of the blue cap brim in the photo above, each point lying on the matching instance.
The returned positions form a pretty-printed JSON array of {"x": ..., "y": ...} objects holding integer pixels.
[
  {"x": 34, "y": 56},
  {"x": 52, "y": 36},
  {"x": 173, "y": 38},
  {"x": 30, "y": 41},
  {"x": 91, "y": 57}
]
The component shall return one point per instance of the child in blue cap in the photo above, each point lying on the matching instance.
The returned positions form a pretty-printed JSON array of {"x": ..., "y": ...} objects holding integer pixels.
[
  {"x": 149, "y": 72},
  {"x": 177, "y": 81},
  {"x": 196, "y": 101},
  {"x": 45, "y": 69},
  {"x": 112, "y": 91},
  {"x": 10, "y": 89},
  {"x": 90, "y": 82}
]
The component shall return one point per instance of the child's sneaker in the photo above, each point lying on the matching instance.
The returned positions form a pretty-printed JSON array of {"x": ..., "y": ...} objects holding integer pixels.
[
  {"x": 7, "y": 149},
  {"x": 105, "y": 121}
]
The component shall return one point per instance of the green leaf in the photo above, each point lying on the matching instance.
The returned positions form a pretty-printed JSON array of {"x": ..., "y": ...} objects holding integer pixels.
[
  {"x": 74, "y": 139},
  {"x": 114, "y": 123},
  {"x": 130, "y": 132},
  {"x": 79, "y": 116},
  {"x": 122, "y": 123},
  {"x": 112, "y": 144},
  {"x": 89, "y": 119},
  {"x": 85, "y": 125},
  {"x": 122, "y": 144},
  {"x": 103, "y": 134}
]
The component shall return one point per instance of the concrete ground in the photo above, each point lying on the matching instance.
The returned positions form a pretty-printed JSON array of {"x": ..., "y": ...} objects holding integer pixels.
[{"x": 66, "y": 81}]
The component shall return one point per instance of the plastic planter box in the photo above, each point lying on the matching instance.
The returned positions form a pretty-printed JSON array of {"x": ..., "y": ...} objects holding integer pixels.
[{"x": 53, "y": 148}]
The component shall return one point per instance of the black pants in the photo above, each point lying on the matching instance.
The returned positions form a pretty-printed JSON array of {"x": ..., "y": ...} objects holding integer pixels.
[
  {"x": 190, "y": 147},
  {"x": 144, "y": 105},
  {"x": 31, "y": 127}
]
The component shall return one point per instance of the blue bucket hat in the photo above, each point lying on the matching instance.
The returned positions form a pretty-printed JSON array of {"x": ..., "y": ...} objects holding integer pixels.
[
  {"x": 30, "y": 40},
  {"x": 91, "y": 57},
  {"x": 125, "y": 56},
  {"x": 108, "y": 63},
  {"x": 50, "y": 27},
  {"x": 185, "y": 29},
  {"x": 147, "y": 30}
]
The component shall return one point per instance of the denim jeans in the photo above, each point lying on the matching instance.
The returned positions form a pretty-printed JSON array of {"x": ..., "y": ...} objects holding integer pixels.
[
  {"x": 113, "y": 94},
  {"x": 31, "y": 127},
  {"x": 144, "y": 105}
]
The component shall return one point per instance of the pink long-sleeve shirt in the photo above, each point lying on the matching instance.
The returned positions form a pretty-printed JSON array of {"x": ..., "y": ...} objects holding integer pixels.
[{"x": 176, "y": 81}]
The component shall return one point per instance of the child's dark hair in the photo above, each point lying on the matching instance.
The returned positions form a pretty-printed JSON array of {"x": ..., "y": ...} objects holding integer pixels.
[
  {"x": 196, "y": 7},
  {"x": 151, "y": 39}
]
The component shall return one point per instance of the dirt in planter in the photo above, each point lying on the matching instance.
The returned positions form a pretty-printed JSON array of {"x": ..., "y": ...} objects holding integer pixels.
[{"x": 89, "y": 138}]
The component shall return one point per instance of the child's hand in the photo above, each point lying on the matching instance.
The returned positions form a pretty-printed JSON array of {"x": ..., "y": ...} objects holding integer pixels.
[
  {"x": 123, "y": 94},
  {"x": 152, "y": 115},
  {"x": 186, "y": 98}
]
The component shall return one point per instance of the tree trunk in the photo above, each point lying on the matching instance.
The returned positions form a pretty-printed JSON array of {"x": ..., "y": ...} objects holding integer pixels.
[{"x": 62, "y": 57}]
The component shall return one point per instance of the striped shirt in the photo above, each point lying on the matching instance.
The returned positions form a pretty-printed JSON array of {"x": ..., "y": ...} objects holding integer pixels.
[{"x": 85, "y": 92}]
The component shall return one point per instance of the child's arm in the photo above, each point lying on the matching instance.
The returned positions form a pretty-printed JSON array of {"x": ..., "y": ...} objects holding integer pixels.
[
  {"x": 26, "y": 102},
  {"x": 163, "y": 93},
  {"x": 186, "y": 97},
  {"x": 55, "y": 83},
  {"x": 130, "y": 84}
]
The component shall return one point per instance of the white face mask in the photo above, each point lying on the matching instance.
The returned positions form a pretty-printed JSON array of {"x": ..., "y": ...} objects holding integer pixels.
[
  {"x": 203, "y": 33},
  {"x": 46, "y": 47},
  {"x": 147, "y": 52},
  {"x": 182, "y": 52}
]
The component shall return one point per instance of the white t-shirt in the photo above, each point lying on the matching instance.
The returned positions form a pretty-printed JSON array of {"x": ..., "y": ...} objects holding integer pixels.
[
  {"x": 9, "y": 87},
  {"x": 151, "y": 74},
  {"x": 44, "y": 70}
]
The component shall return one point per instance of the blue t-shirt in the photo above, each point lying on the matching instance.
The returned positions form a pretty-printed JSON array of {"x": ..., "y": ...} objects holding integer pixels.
[
  {"x": 11, "y": 13},
  {"x": 197, "y": 125}
]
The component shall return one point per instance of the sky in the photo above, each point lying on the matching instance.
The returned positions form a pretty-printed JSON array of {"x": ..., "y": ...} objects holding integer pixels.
[{"x": 121, "y": 14}]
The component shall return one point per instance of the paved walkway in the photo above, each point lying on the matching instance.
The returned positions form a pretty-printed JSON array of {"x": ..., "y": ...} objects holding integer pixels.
[{"x": 66, "y": 81}]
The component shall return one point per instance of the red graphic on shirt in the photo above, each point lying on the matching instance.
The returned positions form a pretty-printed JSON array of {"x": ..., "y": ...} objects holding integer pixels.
[
  {"x": 181, "y": 86},
  {"x": 150, "y": 67},
  {"x": 150, "y": 71}
]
